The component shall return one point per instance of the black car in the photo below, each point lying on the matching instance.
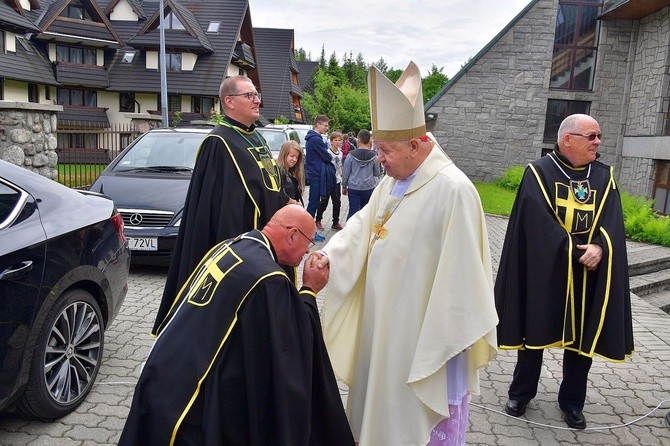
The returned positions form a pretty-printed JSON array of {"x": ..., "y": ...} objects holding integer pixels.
[
  {"x": 148, "y": 182},
  {"x": 64, "y": 266}
]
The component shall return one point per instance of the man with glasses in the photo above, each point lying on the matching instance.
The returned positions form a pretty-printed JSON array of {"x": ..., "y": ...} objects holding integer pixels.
[
  {"x": 563, "y": 275},
  {"x": 235, "y": 187},
  {"x": 242, "y": 360},
  {"x": 317, "y": 160},
  {"x": 409, "y": 316}
]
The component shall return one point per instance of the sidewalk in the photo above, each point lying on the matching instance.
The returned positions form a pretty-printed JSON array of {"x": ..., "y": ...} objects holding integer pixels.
[{"x": 618, "y": 393}]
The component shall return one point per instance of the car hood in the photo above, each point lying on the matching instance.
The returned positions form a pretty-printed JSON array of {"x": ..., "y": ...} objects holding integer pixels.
[{"x": 145, "y": 191}]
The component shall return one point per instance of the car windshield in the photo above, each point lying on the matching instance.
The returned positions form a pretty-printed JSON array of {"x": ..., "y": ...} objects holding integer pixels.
[{"x": 162, "y": 152}]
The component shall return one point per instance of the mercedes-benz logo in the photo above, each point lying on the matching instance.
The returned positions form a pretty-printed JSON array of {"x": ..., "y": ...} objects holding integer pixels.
[{"x": 135, "y": 219}]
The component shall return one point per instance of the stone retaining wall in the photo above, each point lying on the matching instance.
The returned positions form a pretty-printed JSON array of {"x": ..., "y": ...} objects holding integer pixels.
[{"x": 28, "y": 136}]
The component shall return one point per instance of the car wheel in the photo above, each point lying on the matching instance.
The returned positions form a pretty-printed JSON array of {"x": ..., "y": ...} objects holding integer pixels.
[{"x": 66, "y": 358}]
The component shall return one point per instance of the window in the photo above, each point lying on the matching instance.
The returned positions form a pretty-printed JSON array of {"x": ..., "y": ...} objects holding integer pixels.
[
  {"x": 557, "y": 111},
  {"x": 47, "y": 92},
  {"x": 2, "y": 42},
  {"x": 10, "y": 204},
  {"x": 2, "y": 88},
  {"x": 174, "y": 103},
  {"x": 128, "y": 56},
  {"x": 127, "y": 102},
  {"x": 201, "y": 104},
  {"x": 85, "y": 56},
  {"x": 173, "y": 61},
  {"x": 77, "y": 140},
  {"x": 75, "y": 10},
  {"x": 72, "y": 96},
  {"x": 33, "y": 93},
  {"x": 575, "y": 44},
  {"x": 662, "y": 187},
  {"x": 213, "y": 27},
  {"x": 172, "y": 22}
]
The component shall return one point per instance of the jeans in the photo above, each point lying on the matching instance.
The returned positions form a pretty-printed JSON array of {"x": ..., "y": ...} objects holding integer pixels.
[
  {"x": 314, "y": 198},
  {"x": 357, "y": 200}
]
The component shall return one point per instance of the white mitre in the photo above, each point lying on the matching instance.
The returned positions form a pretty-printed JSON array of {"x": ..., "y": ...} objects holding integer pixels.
[{"x": 396, "y": 110}]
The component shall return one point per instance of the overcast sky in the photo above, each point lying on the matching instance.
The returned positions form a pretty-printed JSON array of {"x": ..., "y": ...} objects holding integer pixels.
[{"x": 445, "y": 33}]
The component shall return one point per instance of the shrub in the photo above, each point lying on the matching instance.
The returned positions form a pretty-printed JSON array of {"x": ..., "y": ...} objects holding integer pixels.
[
  {"x": 511, "y": 178},
  {"x": 657, "y": 230}
]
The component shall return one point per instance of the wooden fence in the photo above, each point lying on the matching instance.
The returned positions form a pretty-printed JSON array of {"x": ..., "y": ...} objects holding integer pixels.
[{"x": 85, "y": 152}]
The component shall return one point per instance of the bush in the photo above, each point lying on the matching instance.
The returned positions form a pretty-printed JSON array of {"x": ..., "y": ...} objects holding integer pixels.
[
  {"x": 642, "y": 223},
  {"x": 511, "y": 178}
]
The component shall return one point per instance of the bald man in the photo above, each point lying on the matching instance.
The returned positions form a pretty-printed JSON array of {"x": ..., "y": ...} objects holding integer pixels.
[
  {"x": 242, "y": 360},
  {"x": 563, "y": 275}
]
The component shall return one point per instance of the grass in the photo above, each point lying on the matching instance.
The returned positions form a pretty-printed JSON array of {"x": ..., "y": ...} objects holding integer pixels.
[
  {"x": 640, "y": 221},
  {"x": 79, "y": 175},
  {"x": 495, "y": 199}
]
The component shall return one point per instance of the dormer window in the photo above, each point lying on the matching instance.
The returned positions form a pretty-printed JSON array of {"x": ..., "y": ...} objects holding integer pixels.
[
  {"x": 128, "y": 56},
  {"x": 172, "y": 22},
  {"x": 213, "y": 27},
  {"x": 75, "y": 10}
]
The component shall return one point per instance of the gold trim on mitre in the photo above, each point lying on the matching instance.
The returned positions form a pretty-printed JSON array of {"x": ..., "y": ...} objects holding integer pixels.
[{"x": 396, "y": 110}]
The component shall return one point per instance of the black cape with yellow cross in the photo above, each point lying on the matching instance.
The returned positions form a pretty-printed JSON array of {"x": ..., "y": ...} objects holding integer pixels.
[
  {"x": 235, "y": 187},
  {"x": 544, "y": 296},
  {"x": 241, "y": 362}
]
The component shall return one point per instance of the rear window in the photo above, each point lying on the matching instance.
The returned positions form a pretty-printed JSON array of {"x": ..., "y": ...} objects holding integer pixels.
[{"x": 11, "y": 203}]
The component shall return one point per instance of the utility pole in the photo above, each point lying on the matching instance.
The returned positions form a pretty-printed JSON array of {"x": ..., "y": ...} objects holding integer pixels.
[{"x": 162, "y": 63}]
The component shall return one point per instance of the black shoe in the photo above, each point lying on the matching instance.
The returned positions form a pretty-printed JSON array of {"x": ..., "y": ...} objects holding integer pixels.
[
  {"x": 515, "y": 408},
  {"x": 574, "y": 418}
]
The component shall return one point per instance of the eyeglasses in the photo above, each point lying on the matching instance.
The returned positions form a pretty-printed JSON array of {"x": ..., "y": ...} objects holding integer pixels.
[
  {"x": 250, "y": 95},
  {"x": 590, "y": 137},
  {"x": 311, "y": 241}
]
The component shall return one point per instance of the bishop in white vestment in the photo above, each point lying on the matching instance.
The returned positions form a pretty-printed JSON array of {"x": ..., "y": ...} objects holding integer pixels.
[{"x": 409, "y": 313}]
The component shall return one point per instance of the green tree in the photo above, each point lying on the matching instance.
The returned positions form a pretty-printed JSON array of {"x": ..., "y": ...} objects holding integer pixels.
[
  {"x": 432, "y": 83},
  {"x": 335, "y": 71},
  {"x": 381, "y": 65},
  {"x": 394, "y": 74},
  {"x": 301, "y": 55},
  {"x": 347, "y": 107}
]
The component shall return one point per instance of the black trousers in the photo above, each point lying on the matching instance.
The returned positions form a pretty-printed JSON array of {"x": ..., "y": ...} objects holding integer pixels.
[
  {"x": 572, "y": 392},
  {"x": 335, "y": 195}
]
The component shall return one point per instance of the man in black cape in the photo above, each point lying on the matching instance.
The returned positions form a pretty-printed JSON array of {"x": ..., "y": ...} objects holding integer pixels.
[
  {"x": 235, "y": 187},
  {"x": 563, "y": 275},
  {"x": 242, "y": 360}
]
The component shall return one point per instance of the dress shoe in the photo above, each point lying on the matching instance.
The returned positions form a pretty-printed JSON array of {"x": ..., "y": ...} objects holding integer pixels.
[
  {"x": 515, "y": 408},
  {"x": 574, "y": 418},
  {"x": 319, "y": 225},
  {"x": 337, "y": 227}
]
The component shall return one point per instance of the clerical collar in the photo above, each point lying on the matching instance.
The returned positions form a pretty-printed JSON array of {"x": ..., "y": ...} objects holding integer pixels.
[
  {"x": 235, "y": 123},
  {"x": 401, "y": 186}
]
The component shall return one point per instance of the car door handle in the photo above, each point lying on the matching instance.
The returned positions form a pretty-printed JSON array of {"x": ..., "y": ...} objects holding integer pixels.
[{"x": 11, "y": 274}]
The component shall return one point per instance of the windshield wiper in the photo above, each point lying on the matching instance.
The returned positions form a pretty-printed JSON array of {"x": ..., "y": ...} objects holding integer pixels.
[{"x": 170, "y": 168}]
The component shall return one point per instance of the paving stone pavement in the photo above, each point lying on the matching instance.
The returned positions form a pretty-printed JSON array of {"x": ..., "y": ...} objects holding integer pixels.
[{"x": 618, "y": 394}]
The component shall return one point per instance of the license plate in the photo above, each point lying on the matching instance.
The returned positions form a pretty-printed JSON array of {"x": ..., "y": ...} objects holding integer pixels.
[{"x": 143, "y": 244}]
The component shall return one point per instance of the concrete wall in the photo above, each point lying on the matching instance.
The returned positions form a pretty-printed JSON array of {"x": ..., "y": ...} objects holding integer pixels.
[{"x": 28, "y": 136}]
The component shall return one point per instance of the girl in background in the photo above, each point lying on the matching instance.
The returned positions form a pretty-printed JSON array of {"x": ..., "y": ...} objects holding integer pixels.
[{"x": 292, "y": 170}]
